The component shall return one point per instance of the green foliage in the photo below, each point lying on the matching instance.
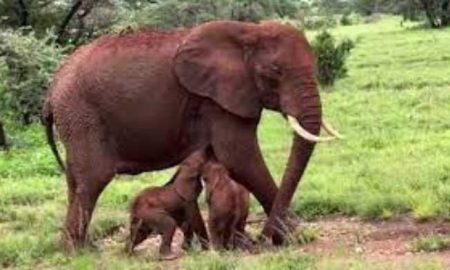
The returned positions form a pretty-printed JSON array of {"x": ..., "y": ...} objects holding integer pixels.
[
  {"x": 27, "y": 64},
  {"x": 319, "y": 22},
  {"x": 88, "y": 20},
  {"x": 345, "y": 19},
  {"x": 329, "y": 7},
  {"x": 350, "y": 18},
  {"x": 22, "y": 248},
  {"x": 430, "y": 243},
  {"x": 184, "y": 13},
  {"x": 306, "y": 235},
  {"x": 41, "y": 15},
  {"x": 170, "y": 14},
  {"x": 29, "y": 155},
  {"x": 331, "y": 57},
  {"x": 437, "y": 12},
  {"x": 284, "y": 259}
]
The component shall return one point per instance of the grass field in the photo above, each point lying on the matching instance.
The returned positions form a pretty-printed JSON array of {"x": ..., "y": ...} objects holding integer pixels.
[{"x": 394, "y": 109}]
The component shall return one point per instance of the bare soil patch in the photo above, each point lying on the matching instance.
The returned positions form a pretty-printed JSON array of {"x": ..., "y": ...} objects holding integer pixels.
[
  {"x": 378, "y": 241},
  {"x": 375, "y": 241}
]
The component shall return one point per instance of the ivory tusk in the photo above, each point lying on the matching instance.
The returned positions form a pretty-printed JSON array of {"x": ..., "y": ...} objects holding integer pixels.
[
  {"x": 330, "y": 130},
  {"x": 304, "y": 133}
]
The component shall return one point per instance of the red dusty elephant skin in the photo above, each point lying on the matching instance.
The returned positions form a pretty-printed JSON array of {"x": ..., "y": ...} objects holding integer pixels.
[{"x": 145, "y": 100}]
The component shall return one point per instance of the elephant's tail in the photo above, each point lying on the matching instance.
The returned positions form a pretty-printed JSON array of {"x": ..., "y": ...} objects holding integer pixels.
[{"x": 48, "y": 120}]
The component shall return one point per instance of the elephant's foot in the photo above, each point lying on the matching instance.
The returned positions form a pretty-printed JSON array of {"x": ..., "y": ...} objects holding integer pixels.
[
  {"x": 168, "y": 256},
  {"x": 281, "y": 230},
  {"x": 275, "y": 233},
  {"x": 71, "y": 243}
]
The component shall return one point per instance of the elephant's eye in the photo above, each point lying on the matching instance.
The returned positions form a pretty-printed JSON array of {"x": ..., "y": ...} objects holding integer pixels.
[{"x": 276, "y": 70}]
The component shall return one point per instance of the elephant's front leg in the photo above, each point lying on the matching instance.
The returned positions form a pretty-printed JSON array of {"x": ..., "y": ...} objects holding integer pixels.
[
  {"x": 235, "y": 144},
  {"x": 195, "y": 220},
  {"x": 188, "y": 233}
]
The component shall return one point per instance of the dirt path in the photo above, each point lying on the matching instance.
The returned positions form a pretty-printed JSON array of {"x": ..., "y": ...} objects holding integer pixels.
[
  {"x": 384, "y": 241},
  {"x": 377, "y": 242}
]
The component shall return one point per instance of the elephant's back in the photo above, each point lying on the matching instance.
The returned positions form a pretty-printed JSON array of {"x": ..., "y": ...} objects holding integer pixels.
[
  {"x": 96, "y": 63},
  {"x": 126, "y": 85}
]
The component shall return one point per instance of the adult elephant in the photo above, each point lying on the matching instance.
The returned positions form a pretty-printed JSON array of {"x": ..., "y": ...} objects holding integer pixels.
[{"x": 145, "y": 100}]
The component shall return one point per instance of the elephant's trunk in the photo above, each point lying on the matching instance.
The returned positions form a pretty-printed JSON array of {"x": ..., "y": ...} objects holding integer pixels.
[{"x": 305, "y": 109}]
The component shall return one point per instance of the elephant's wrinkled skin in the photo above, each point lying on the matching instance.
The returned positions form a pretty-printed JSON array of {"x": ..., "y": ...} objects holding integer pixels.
[
  {"x": 228, "y": 204},
  {"x": 144, "y": 101},
  {"x": 163, "y": 209}
]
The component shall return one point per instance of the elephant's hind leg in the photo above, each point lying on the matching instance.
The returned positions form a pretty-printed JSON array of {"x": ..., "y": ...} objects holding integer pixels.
[
  {"x": 139, "y": 231},
  {"x": 89, "y": 170}
]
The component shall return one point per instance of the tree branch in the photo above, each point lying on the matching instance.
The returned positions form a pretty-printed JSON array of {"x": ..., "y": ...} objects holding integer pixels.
[
  {"x": 3, "y": 142},
  {"x": 66, "y": 21},
  {"x": 23, "y": 12}
]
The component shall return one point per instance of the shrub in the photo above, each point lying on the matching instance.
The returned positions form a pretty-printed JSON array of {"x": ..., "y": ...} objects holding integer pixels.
[
  {"x": 349, "y": 18},
  {"x": 27, "y": 64},
  {"x": 331, "y": 57},
  {"x": 431, "y": 243},
  {"x": 437, "y": 12},
  {"x": 168, "y": 14},
  {"x": 374, "y": 18},
  {"x": 345, "y": 19},
  {"x": 183, "y": 13},
  {"x": 319, "y": 22}
]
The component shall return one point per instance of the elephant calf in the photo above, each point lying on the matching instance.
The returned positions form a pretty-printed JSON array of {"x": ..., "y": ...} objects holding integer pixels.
[
  {"x": 228, "y": 208},
  {"x": 163, "y": 209}
]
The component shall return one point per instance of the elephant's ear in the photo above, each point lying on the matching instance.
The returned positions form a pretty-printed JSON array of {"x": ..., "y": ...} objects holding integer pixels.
[{"x": 210, "y": 63}]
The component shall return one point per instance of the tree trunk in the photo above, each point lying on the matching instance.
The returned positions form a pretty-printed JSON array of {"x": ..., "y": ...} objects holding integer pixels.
[
  {"x": 437, "y": 15},
  {"x": 23, "y": 13},
  {"x": 445, "y": 17},
  {"x": 3, "y": 143}
]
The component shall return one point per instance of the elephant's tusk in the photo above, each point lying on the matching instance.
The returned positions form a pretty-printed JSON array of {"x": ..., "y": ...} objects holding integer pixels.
[
  {"x": 304, "y": 133},
  {"x": 330, "y": 130}
]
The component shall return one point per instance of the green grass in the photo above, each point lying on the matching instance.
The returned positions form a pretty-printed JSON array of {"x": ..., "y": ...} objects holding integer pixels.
[
  {"x": 393, "y": 109},
  {"x": 357, "y": 263},
  {"x": 430, "y": 243},
  {"x": 282, "y": 260}
]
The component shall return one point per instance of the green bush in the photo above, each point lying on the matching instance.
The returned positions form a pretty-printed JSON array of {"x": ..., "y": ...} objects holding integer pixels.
[
  {"x": 431, "y": 243},
  {"x": 331, "y": 57},
  {"x": 185, "y": 13},
  {"x": 26, "y": 67},
  {"x": 350, "y": 18},
  {"x": 319, "y": 22},
  {"x": 346, "y": 20}
]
